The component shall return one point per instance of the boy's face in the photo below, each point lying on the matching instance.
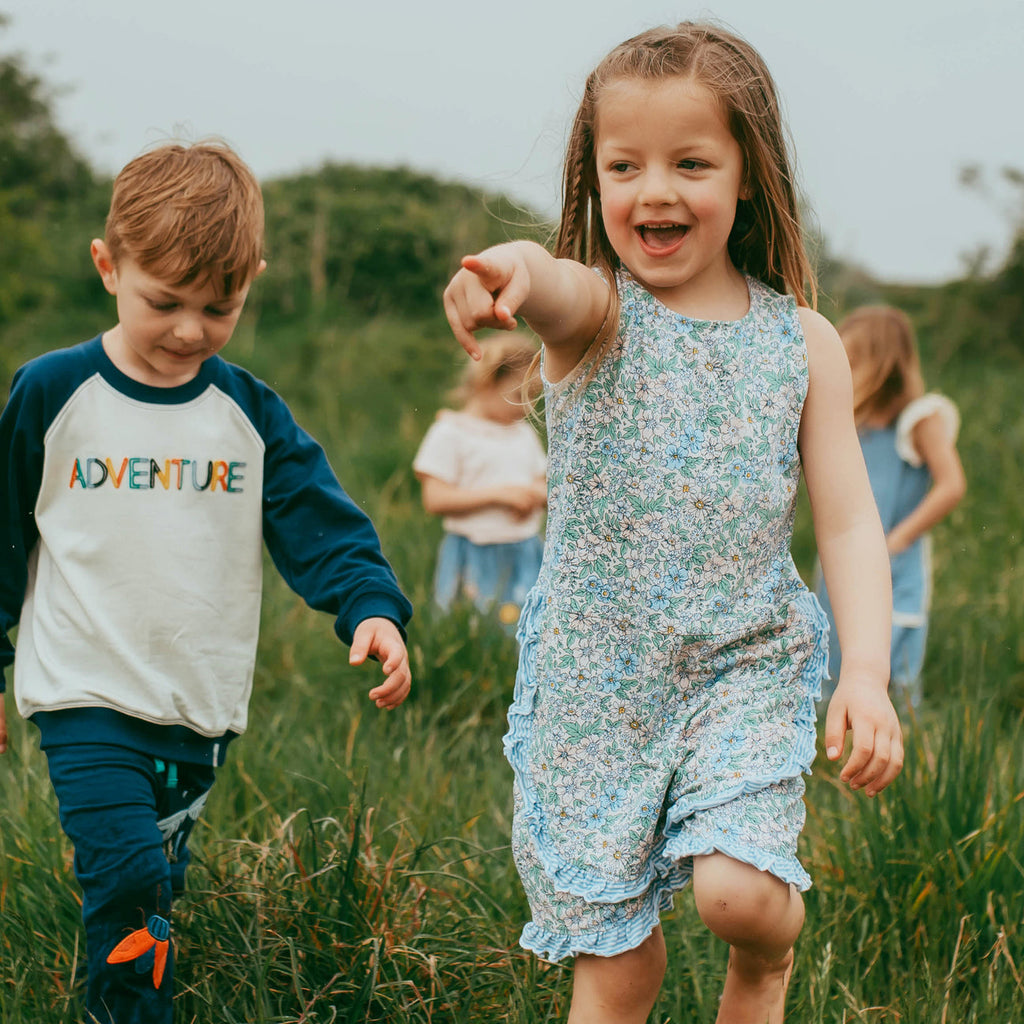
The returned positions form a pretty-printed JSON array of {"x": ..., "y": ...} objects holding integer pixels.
[{"x": 165, "y": 332}]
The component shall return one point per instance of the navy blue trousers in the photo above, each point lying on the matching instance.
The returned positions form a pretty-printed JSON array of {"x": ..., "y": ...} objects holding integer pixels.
[{"x": 129, "y": 817}]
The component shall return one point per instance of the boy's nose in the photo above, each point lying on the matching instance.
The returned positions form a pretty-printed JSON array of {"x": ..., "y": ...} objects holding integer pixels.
[{"x": 188, "y": 328}]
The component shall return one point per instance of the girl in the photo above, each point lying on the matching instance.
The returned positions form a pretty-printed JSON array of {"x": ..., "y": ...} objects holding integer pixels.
[
  {"x": 671, "y": 656},
  {"x": 909, "y": 443},
  {"x": 483, "y": 469}
]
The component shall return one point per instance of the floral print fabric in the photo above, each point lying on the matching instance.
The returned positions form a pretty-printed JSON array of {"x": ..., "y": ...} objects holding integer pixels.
[{"x": 670, "y": 653}]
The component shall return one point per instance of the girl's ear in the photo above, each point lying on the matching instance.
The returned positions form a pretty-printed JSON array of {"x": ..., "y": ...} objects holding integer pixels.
[{"x": 104, "y": 263}]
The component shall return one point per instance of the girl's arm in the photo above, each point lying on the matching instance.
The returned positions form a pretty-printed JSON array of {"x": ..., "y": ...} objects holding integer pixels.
[
  {"x": 938, "y": 452},
  {"x": 851, "y": 547},
  {"x": 441, "y": 498},
  {"x": 563, "y": 301}
]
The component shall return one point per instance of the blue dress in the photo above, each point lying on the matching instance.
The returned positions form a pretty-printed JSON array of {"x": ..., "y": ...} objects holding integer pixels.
[{"x": 899, "y": 481}]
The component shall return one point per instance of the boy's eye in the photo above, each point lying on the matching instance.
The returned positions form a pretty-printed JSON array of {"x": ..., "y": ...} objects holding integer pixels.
[
  {"x": 214, "y": 311},
  {"x": 162, "y": 307}
]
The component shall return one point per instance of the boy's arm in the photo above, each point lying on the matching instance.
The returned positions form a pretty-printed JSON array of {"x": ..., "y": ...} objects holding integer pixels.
[
  {"x": 563, "y": 301},
  {"x": 851, "y": 546},
  {"x": 21, "y": 462},
  {"x": 322, "y": 543}
]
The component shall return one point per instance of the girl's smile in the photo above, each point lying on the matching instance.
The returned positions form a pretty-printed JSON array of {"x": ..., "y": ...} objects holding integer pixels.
[
  {"x": 661, "y": 239},
  {"x": 669, "y": 174}
]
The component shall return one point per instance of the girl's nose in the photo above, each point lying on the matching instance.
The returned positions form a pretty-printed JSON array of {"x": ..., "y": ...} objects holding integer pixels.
[{"x": 657, "y": 188}]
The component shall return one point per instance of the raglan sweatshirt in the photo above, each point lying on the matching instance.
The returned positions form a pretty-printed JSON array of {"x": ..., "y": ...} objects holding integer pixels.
[{"x": 132, "y": 520}]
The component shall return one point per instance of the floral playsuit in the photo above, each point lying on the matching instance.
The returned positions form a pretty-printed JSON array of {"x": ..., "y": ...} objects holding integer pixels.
[{"x": 670, "y": 653}]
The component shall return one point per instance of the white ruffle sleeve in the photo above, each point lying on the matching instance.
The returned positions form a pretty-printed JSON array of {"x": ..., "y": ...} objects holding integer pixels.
[{"x": 920, "y": 409}]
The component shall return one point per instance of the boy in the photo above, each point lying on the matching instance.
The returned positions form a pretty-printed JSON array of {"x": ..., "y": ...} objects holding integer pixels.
[{"x": 140, "y": 476}]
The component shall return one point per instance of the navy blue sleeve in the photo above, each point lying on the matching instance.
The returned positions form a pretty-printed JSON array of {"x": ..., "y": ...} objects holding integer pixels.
[
  {"x": 322, "y": 543},
  {"x": 21, "y": 470}
]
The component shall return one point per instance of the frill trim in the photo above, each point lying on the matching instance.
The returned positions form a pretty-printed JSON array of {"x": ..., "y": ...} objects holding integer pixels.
[
  {"x": 610, "y": 940},
  {"x": 789, "y": 869},
  {"x": 598, "y": 889}
]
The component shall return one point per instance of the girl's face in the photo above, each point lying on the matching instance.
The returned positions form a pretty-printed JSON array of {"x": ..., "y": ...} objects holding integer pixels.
[
  {"x": 501, "y": 401},
  {"x": 669, "y": 173}
]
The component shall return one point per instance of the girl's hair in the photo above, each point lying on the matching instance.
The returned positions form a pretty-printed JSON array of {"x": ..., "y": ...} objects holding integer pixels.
[
  {"x": 502, "y": 357},
  {"x": 766, "y": 239},
  {"x": 880, "y": 344}
]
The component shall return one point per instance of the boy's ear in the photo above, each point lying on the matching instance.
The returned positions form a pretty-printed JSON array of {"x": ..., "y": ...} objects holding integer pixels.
[{"x": 104, "y": 264}]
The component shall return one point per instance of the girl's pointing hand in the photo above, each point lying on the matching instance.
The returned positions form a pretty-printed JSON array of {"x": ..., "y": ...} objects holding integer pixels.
[{"x": 486, "y": 293}]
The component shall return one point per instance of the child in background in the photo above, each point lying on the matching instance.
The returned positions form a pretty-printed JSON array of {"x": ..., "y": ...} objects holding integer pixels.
[
  {"x": 909, "y": 443},
  {"x": 483, "y": 468},
  {"x": 141, "y": 476},
  {"x": 670, "y": 654}
]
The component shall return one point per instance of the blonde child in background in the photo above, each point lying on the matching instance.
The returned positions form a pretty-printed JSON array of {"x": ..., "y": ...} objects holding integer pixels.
[
  {"x": 670, "y": 656},
  {"x": 482, "y": 468},
  {"x": 909, "y": 443}
]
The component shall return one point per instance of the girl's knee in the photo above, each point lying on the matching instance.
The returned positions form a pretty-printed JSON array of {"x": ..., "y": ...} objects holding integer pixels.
[{"x": 746, "y": 906}]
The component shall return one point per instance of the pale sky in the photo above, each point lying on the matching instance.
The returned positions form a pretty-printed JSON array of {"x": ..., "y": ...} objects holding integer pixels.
[{"x": 886, "y": 99}]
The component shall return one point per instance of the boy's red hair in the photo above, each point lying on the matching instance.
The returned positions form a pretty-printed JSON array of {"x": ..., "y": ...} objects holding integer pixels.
[{"x": 189, "y": 213}]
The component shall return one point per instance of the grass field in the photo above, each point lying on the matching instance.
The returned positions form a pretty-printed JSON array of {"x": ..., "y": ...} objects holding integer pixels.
[{"x": 354, "y": 866}]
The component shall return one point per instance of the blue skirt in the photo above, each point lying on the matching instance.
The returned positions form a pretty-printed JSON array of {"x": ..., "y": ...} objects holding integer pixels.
[{"x": 489, "y": 575}]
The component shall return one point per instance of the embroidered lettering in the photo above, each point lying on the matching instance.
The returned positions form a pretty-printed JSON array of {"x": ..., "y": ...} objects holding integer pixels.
[
  {"x": 144, "y": 473},
  {"x": 138, "y": 474},
  {"x": 220, "y": 476},
  {"x": 116, "y": 478},
  {"x": 209, "y": 475},
  {"x": 77, "y": 476},
  {"x": 155, "y": 473},
  {"x": 233, "y": 475},
  {"x": 91, "y": 480}
]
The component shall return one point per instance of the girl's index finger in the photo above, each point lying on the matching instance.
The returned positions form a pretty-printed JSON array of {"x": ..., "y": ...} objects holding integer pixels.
[{"x": 491, "y": 276}]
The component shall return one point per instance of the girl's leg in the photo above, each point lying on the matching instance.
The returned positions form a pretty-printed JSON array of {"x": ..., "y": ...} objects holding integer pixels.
[
  {"x": 448, "y": 574},
  {"x": 618, "y": 989},
  {"x": 907, "y": 660},
  {"x": 760, "y": 917}
]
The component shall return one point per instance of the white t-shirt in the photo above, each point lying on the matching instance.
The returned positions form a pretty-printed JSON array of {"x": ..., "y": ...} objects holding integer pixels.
[{"x": 470, "y": 451}]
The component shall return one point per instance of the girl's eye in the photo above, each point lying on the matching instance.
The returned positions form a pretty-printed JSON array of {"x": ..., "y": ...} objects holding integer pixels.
[
  {"x": 619, "y": 167},
  {"x": 690, "y": 165}
]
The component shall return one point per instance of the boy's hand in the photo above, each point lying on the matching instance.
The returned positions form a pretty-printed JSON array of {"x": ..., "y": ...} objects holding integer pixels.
[
  {"x": 486, "y": 292},
  {"x": 3, "y": 726},
  {"x": 380, "y": 638},
  {"x": 876, "y": 756}
]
